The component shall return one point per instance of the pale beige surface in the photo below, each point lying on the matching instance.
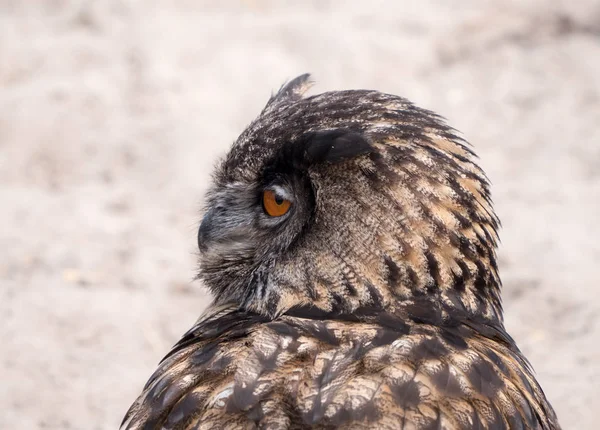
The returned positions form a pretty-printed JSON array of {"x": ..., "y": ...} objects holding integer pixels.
[{"x": 113, "y": 112}]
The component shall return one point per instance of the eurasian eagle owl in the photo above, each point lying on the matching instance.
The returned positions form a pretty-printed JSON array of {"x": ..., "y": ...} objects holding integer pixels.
[{"x": 350, "y": 242}]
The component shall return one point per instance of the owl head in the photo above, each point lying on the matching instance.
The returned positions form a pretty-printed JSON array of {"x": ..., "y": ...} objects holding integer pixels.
[{"x": 347, "y": 201}]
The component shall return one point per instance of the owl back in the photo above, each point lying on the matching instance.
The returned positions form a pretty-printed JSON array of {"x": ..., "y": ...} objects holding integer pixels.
[{"x": 305, "y": 370}]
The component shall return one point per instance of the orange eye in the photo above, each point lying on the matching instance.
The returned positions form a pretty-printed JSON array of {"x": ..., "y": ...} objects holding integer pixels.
[{"x": 275, "y": 205}]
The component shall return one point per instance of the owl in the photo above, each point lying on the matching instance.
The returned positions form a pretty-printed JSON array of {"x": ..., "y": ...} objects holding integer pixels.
[{"x": 349, "y": 242}]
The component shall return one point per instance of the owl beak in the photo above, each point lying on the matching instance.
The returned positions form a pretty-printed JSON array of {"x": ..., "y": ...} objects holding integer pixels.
[{"x": 204, "y": 230}]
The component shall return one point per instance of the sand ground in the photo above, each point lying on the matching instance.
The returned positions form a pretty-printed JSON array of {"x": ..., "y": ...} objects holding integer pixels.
[{"x": 113, "y": 112}]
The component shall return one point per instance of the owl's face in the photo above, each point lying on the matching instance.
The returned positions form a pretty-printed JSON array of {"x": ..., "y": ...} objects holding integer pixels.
[
  {"x": 248, "y": 224},
  {"x": 348, "y": 200},
  {"x": 256, "y": 219}
]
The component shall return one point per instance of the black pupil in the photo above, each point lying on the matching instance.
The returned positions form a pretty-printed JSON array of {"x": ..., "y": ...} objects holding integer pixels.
[{"x": 278, "y": 200}]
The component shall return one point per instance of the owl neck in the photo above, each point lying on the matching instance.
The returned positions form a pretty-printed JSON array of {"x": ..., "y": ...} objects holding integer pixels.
[{"x": 431, "y": 281}]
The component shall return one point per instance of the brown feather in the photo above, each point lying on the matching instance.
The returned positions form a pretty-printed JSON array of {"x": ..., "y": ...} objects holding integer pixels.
[{"x": 374, "y": 303}]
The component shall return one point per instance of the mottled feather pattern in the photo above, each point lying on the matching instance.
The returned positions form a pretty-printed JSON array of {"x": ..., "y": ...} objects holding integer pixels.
[
  {"x": 385, "y": 372},
  {"x": 419, "y": 199},
  {"x": 374, "y": 303}
]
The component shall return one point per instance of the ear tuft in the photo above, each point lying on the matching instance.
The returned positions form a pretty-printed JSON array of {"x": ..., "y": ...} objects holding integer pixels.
[{"x": 292, "y": 90}]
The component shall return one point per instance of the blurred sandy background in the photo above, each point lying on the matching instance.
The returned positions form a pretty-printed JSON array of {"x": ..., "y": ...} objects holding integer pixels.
[{"x": 113, "y": 112}]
